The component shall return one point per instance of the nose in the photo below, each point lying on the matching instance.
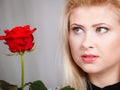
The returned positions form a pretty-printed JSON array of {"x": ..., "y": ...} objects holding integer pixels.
[{"x": 87, "y": 42}]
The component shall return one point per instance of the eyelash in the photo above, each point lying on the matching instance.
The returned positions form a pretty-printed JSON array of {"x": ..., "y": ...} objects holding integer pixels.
[
  {"x": 100, "y": 30},
  {"x": 77, "y": 29}
]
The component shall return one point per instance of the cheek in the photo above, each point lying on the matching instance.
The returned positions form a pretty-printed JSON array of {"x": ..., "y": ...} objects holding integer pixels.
[
  {"x": 114, "y": 48},
  {"x": 72, "y": 45},
  {"x": 75, "y": 45},
  {"x": 110, "y": 47},
  {"x": 113, "y": 42},
  {"x": 74, "y": 48}
]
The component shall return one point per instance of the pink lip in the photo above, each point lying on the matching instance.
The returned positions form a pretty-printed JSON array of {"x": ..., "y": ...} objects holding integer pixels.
[{"x": 89, "y": 58}]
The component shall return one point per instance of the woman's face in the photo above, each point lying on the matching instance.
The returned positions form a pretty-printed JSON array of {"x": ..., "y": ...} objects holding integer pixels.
[{"x": 94, "y": 39}]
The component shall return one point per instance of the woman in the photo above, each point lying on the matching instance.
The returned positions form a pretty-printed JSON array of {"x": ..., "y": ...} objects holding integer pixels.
[{"x": 91, "y": 48}]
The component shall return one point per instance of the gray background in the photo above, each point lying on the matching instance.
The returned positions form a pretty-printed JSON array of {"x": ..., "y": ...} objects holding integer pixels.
[{"x": 44, "y": 62}]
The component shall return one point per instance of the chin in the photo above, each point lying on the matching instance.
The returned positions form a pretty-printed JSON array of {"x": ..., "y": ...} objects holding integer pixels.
[{"x": 90, "y": 70}]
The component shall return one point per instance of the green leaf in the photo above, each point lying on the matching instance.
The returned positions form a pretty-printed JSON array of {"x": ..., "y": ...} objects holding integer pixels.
[
  {"x": 19, "y": 89},
  {"x": 11, "y": 54},
  {"x": 67, "y": 88},
  {"x": 37, "y": 85},
  {"x": 6, "y": 86}
]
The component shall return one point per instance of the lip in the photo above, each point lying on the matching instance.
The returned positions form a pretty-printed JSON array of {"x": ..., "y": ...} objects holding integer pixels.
[{"x": 89, "y": 58}]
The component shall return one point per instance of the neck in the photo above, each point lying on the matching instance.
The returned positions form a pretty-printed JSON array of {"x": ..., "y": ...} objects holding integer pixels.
[{"x": 104, "y": 78}]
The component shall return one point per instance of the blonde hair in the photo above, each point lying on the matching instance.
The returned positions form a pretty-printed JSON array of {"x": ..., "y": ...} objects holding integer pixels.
[{"x": 73, "y": 74}]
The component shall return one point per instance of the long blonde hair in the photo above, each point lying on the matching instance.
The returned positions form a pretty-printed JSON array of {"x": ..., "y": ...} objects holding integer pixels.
[{"x": 74, "y": 75}]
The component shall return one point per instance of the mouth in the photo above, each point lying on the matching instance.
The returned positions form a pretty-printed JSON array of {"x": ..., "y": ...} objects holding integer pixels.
[{"x": 89, "y": 58}]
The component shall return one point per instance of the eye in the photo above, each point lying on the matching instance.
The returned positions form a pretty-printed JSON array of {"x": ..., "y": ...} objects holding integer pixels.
[
  {"x": 77, "y": 29},
  {"x": 102, "y": 29}
]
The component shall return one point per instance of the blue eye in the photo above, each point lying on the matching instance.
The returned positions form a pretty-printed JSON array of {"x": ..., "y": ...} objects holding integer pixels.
[
  {"x": 78, "y": 29},
  {"x": 102, "y": 30}
]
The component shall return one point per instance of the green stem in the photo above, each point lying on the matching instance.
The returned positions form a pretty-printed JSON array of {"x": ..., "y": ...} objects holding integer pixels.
[{"x": 22, "y": 70}]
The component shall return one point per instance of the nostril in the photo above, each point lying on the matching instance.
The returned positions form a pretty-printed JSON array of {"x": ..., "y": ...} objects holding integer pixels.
[
  {"x": 90, "y": 47},
  {"x": 86, "y": 47}
]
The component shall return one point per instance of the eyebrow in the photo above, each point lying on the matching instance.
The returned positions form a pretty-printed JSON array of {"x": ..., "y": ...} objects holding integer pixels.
[
  {"x": 77, "y": 25},
  {"x": 94, "y": 25},
  {"x": 98, "y": 24}
]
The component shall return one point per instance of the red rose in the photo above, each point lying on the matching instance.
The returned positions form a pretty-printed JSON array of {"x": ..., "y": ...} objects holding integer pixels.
[{"x": 19, "y": 39}]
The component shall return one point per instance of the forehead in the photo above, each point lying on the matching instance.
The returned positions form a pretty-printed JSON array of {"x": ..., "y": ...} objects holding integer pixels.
[{"x": 94, "y": 14}]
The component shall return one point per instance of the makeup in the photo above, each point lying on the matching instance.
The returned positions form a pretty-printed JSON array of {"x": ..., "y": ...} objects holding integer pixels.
[{"x": 89, "y": 58}]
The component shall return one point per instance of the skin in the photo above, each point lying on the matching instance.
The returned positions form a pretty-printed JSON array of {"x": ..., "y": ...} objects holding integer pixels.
[{"x": 96, "y": 30}]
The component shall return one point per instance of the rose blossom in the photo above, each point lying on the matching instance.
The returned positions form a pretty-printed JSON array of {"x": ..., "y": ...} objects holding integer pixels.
[{"x": 19, "y": 39}]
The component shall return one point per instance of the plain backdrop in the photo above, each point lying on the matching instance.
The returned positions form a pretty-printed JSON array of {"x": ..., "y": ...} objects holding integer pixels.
[{"x": 44, "y": 62}]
